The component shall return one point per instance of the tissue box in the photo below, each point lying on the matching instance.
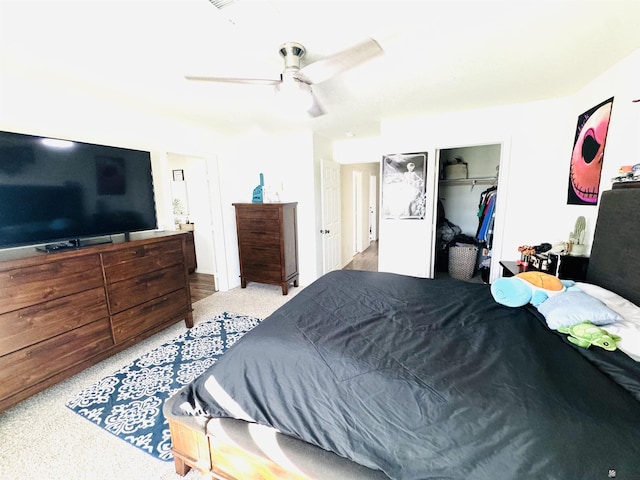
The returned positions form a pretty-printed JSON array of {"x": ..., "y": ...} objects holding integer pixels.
[{"x": 455, "y": 171}]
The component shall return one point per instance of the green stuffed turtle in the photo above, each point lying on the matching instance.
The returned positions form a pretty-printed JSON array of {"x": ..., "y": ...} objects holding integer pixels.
[{"x": 586, "y": 334}]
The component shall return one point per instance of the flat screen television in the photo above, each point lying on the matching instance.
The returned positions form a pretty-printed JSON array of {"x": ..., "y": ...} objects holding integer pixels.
[{"x": 56, "y": 192}]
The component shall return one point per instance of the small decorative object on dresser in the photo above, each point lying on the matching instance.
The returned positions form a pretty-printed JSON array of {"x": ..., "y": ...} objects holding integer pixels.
[
  {"x": 268, "y": 243},
  {"x": 258, "y": 192}
]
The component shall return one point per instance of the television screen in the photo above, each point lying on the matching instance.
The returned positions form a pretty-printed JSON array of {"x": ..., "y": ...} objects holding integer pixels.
[{"x": 55, "y": 190}]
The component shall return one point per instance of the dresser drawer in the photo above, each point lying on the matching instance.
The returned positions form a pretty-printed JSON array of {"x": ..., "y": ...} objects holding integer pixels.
[
  {"x": 260, "y": 227},
  {"x": 131, "y": 262},
  {"x": 260, "y": 273},
  {"x": 24, "y": 327},
  {"x": 258, "y": 212},
  {"x": 134, "y": 291},
  {"x": 22, "y": 287},
  {"x": 26, "y": 367},
  {"x": 260, "y": 254},
  {"x": 144, "y": 317}
]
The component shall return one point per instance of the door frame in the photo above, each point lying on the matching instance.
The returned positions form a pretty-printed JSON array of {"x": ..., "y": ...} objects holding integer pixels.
[{"x": 500, "y": 211}]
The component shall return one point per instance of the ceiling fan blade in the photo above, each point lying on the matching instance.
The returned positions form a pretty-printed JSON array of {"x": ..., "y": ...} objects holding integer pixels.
[
  {"x": 317, "y": 109},
  {"x": 247, "y": 81},
  {"x": 324, "y": 69}
]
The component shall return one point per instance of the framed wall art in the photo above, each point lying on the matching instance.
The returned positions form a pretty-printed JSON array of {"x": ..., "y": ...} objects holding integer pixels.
[
  {"x": 403, "y": 185},
  {"x": 178, "y": 175},
  {"x": 587, "y": 155}
]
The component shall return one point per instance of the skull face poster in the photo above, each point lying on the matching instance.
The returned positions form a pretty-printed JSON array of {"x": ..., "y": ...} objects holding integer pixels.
[{"x": 588, "y": 154}]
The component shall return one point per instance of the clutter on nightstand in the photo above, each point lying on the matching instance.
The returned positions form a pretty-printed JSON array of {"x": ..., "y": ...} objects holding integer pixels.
[
  {"x": 528, "y": 253},
  {"x": 557, "y": 259},
  {"x": 628, "y": 173}
]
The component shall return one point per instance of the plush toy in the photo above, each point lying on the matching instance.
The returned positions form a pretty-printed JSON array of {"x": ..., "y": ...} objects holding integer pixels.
[
  {"x": 586, "y": 334},
  {"x": 528, "y": 287}
]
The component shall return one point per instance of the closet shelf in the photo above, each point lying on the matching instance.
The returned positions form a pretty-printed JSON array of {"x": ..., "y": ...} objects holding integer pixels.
[{"x": 471, "y": 181}]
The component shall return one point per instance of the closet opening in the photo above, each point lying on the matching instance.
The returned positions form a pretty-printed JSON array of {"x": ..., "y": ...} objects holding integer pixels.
[{"x": 467, "y": 195}]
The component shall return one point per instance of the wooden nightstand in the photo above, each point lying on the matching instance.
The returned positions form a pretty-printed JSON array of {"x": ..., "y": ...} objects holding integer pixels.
[
  {"x": 509, "y": 268},
  {"x": 571, "y": 267}
]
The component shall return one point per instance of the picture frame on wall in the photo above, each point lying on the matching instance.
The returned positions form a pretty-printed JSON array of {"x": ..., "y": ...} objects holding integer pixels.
[
  {"x": 403, "y": 185},
  {"x": 587, "y": 155},
  {"x": 178, "y": 175}
]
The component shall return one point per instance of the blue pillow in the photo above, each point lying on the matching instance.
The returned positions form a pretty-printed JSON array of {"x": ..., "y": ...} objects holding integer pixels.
[{"x": 573, "y": 307}]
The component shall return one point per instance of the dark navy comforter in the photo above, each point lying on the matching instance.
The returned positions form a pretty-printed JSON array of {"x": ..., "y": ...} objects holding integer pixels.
[{"x": 430, "y": 379}]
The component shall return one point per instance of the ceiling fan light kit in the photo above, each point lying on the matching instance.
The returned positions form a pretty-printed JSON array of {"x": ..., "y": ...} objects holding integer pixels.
[{"x": 293, "y": 95}]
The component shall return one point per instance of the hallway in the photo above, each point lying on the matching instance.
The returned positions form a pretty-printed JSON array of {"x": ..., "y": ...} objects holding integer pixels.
[{"x": 367, "y": 260}]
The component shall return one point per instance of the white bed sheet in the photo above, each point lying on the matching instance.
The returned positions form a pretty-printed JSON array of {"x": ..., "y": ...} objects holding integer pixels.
[{"x": 629, "y": 328}]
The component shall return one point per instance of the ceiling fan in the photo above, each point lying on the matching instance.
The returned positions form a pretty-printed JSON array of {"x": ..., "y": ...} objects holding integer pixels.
[{"x": 295, "y": 81}]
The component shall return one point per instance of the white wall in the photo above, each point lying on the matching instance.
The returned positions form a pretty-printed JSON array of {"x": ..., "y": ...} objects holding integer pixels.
[
  {"x": 287, "y": 164},
  {"x": 43, "y": 106},
  {"x": 538, "y": 138},
  {"x": 623, "y": 139},
  {"x": 35, "y": 106}
]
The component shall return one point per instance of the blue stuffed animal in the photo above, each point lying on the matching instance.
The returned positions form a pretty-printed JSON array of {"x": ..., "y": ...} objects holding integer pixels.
[{"x": 528, "y": 287}]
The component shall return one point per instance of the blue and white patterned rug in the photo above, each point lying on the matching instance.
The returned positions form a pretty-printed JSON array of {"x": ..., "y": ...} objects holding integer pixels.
[{"x": 129, "y": 403}]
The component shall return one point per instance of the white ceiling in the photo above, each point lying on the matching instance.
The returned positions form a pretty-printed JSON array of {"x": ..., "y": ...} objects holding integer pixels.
[{"x": 439, "y": 55}]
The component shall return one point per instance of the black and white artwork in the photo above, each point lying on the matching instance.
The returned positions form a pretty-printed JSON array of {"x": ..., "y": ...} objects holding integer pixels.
[{"x": 403, "y": 185}]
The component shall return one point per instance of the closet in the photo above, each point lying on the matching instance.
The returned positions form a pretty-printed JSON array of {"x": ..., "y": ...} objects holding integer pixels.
[{"x": 467, "y": 197}]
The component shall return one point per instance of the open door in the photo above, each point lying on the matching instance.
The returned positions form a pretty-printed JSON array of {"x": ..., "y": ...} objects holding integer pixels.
[
  {"x": 331, "y": 227},
  {"x": 197, "y": 192}
]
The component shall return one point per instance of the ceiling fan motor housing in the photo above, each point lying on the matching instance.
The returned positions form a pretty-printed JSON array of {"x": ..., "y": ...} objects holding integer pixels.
[{"x": 292, "y": 52}]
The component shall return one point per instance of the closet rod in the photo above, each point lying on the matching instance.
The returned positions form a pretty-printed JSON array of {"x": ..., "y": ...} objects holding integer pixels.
[{"x": 471, "y": 181}]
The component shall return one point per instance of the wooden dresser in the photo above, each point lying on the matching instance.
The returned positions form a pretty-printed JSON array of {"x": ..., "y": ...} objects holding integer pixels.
[
  {"x": 65, "y": 311},
  {"x": 268, "y": 243}
]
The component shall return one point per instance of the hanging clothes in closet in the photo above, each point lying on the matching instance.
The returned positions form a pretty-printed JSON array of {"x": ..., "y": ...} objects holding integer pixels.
[{"x": 486, "y": 215}]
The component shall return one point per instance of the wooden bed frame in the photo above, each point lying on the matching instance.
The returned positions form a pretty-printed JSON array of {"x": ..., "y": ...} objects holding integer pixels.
[{"x": 236, "y": 450}]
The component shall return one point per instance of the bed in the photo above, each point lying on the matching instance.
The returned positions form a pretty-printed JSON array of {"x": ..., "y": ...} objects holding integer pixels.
[{"x": 381, "y": 376}]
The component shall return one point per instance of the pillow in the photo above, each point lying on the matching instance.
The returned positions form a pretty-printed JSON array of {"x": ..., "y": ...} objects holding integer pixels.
[
  {"x": 628, "y": 329},
  {"x": 629, "y": 311},
  {"x": 573, "y": 307}
]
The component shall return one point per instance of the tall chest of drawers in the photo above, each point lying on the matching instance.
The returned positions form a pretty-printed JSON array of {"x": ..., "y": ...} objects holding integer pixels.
[
  {"x": 62, "y": 312},
  {"x": 268, "y": 243}
]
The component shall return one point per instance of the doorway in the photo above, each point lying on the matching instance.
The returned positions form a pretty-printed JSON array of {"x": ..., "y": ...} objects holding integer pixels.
[
  {"x": 360, "y": 198},
  {"x": 467, "y": 202},
  {"x": 367, "y": 260},
  {"x": 194, "y": 185}
]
